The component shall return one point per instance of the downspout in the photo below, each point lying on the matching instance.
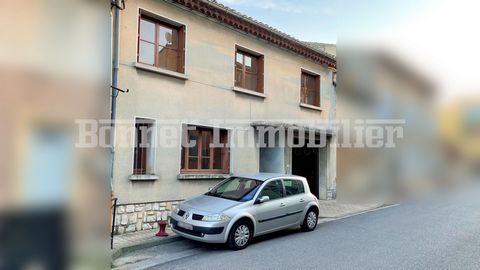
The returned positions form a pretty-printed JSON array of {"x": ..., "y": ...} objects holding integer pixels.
[{"x": 114, "y": 87}]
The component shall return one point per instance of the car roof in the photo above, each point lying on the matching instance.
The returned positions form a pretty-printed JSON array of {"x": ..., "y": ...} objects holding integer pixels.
[{"x": 264, "y": 176}]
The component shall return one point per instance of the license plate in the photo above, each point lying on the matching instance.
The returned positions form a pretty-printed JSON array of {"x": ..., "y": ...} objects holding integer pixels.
[{"x": 185, "y": 225}]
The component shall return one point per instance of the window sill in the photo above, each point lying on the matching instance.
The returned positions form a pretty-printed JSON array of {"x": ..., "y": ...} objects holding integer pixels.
[
  {"x": 311, "y": 107},
  {"x": 143, "y": 177},
  {"x": 248, "y": 92},
  {"x": 162, "y": 71},
  {"x": 202, "y": 176}
]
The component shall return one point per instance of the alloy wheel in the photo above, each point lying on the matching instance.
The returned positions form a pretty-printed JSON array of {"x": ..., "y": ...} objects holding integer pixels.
[{"x": 242, "y": 235}]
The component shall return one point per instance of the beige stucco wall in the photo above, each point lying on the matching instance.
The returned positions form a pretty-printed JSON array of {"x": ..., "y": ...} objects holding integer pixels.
[{"x": 206, "y": 95}]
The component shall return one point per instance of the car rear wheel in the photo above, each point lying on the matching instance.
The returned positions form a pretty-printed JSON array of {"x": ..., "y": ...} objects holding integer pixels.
[
  {"x": 240, "y": 235},
  {"x": 310, "y": 221}
]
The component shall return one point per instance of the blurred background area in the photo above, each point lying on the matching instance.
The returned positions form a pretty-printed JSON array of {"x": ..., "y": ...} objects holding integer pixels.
[
  {"x": 54, "y": 69},
  {"x": 416, "y": 61}
]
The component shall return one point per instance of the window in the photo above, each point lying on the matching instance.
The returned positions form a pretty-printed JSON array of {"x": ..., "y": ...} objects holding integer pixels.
[
  {"x": 203, "y": 153},
  {"x": 248, "y": 70},
  {"x": 293, "y": 187},
  {"x": 273, "y": 189},
  {"x": 161, "y": 44},
  {"x": 144, "y": 153},
  {"x": 310, "y": 89}
]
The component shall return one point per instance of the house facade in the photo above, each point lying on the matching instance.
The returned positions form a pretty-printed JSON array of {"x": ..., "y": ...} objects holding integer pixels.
[{"x": 214, "y": 93}]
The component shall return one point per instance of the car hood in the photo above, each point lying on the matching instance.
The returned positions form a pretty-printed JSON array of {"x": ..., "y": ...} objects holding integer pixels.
[{"x": 209, "y": 204}]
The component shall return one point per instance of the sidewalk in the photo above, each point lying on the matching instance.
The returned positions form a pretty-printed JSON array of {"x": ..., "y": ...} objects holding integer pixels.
[{"x": 128, "y": 242}]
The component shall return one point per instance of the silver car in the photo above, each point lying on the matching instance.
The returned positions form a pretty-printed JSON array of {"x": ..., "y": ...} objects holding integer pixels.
[{"x": 245, "y": 206}]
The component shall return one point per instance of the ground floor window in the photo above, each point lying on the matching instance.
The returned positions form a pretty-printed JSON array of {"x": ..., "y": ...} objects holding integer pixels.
[
  {"x": 143, "y": 160},
  {"x": 205, "y": 150}
]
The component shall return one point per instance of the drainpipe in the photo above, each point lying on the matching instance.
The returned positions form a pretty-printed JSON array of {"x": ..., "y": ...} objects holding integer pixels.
[{"x": 114, "y": 87}]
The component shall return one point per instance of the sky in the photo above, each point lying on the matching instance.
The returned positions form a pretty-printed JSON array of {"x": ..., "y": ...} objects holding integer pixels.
[{"x": 438, "y": 37}]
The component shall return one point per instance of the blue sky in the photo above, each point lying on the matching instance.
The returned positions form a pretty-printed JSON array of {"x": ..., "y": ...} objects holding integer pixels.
[{"x": 326, "y": 20}]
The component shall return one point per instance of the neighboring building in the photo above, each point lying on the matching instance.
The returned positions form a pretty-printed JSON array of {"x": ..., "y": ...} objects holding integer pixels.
[
  {"x": 377, "y": 87},
  {"x": 215, "y": 71}
]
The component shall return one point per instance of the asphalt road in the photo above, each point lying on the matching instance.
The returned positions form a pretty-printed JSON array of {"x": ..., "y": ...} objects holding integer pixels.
[{"x": 441, "y": 232}]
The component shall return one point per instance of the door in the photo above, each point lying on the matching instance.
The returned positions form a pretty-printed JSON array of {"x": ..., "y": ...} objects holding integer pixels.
[
  {"x": 271, "y": 215},
  {"x": 295, "y": 200}
]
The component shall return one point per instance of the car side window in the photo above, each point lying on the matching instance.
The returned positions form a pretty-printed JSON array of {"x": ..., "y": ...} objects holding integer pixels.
[
  {"x": 293, "y": 187},
  {"x": 273, "y": 189},
  {"x": 301, "y": 189}
]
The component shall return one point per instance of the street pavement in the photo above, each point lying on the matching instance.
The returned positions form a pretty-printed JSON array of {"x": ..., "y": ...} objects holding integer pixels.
[{"x": 441, "y": 232}]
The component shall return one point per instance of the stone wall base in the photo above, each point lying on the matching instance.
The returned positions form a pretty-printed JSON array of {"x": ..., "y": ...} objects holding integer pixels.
[{"x": 141, "y": 216}]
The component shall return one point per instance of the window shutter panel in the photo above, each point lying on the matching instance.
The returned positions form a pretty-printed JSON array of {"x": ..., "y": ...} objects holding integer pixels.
[
  {"x": 317, "y": 91},
  {"x": 181, "y": 44},
  {"x": 261, "y": 74}
]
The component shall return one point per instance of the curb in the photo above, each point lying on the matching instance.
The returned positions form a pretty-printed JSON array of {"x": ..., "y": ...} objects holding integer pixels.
[{"x": 116, "y": 253}]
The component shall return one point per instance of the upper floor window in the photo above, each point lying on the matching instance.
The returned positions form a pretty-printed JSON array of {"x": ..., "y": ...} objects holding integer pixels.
[
  {"x": 161, "y": 44},
  {"x": 310, "y": 89},
  {"x": 248, "y": 70},
  {"x": 203, "y": 153}
]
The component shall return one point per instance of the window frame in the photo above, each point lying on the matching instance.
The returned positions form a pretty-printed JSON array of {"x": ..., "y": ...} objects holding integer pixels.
[
  {"x": 158, "y": 20},
  {"x": 260, "y": 69},
  {"x": 225, "y": 156},
  {"x": 317, "y": 93},
  {"x": 151, "y": 151}
]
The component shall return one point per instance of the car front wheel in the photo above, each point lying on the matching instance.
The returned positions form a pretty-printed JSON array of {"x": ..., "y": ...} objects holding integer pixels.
[
  {"x": 310, "y": 221},
  {"x": 240, "y": 235}
]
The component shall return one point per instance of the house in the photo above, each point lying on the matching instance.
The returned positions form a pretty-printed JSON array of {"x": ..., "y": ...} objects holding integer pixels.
[
  {"x": 380, "y": 90},
  {"x": 214, "y": 93}
]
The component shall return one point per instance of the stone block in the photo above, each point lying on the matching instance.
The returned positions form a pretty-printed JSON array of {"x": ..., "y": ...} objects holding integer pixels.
[
  {"x": 146, "y": 226},
  {"x": 139, "y": 207},
  {"x": 151, "y": 218},
  {"x": 139, "y": 225},
  {"x": 121, "y": 230},
  {"x": 156, "y": 206},
  {"x": 148, "y": 207},
  {"x": 124, "y": 220},
  {"x": 118, "y": 220},
  {"x": 131, "y": 228},
  {"x": 130, "y": 208},
  {"x": 132, "y": 218},
  {"x": 120, "y": 209},
  {"x": 164, "y": 216}
]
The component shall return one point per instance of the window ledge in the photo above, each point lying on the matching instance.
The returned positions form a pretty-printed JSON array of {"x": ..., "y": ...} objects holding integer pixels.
[
  {"x": 162, "y": 71},
  {"x": 311, "y": 107},
  {"x": 201, "y": 176},
  {"x": 248, "y": 92},
  {"x": 143, "y": 177}
]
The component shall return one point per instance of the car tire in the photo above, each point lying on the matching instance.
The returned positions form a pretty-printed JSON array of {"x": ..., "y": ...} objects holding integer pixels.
[
  {"x": 240, "y": 235},
  {"x": 310, "y": 220}
]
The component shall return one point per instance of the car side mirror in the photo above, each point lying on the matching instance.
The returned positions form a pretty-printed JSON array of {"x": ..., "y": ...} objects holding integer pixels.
[
  {"x": 263, "y": 199},
  {"x": 210, "y": 188}
]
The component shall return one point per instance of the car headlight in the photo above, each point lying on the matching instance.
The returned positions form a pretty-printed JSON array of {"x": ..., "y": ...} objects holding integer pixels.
[{"x": 216, "y": 217}]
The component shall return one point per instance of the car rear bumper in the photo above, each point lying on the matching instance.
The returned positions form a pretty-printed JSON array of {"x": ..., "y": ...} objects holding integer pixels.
[{"x": 214, "y": 233}]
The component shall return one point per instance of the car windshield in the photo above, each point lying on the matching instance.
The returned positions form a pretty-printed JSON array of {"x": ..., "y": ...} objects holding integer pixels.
[{"x": 236, "y": 188}]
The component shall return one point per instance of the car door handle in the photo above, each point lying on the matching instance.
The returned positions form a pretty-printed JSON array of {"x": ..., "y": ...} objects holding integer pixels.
[
  {"x": 282, "y": 204},
  {"x": 302, "y": 200}
]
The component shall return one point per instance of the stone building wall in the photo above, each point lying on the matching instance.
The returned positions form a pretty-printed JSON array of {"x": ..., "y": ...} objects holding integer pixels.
[{"x": 141, "y": 216}]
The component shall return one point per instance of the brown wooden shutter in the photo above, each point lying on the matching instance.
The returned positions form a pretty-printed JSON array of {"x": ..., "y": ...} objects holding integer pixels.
[
  {"x": 260, "y": 81},
  {"x": 317, "y": 91},
  {"x": 181, "y": 49}
]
